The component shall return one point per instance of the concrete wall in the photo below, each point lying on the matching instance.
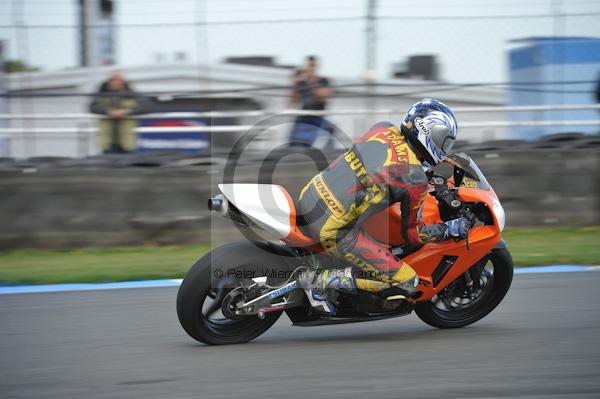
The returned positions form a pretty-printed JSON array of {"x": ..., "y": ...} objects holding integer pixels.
[{"x": 72, "y": 206}]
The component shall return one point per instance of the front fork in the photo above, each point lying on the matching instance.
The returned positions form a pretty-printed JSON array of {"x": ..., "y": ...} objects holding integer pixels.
[{"x": 469, "y": 280}]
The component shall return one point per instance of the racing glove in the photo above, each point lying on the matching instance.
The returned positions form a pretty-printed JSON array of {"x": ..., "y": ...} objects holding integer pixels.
[{"x": 457, "y": 228}]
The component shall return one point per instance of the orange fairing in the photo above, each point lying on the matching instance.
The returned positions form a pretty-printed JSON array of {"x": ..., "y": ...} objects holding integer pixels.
[
  {"x": 481, "y": 240},
  {"x": 488, "y": 197},
  {"x": 386, "y": 226},
  {"x": 295, "y": 236},
  {"x": 431, "y": 211}
]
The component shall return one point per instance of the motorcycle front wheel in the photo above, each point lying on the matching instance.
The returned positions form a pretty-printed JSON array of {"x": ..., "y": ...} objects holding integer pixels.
[
  {"x": 210, "y": 279},
  {"x": 470, "y": 297}
]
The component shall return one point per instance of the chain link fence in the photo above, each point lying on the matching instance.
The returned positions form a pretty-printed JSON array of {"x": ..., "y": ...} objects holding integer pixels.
[{"x": 468, "y": 40}]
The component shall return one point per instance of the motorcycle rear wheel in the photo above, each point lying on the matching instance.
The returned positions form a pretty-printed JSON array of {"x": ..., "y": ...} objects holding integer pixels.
[
  {"x": 200, "y": 286},
  {"x": 498, "y": 282}
]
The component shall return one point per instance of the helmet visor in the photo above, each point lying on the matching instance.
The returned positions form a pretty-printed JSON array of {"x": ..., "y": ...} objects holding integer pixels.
[
  {"x": 442, "y": 137},
  {"x": 448, "y": 144}
]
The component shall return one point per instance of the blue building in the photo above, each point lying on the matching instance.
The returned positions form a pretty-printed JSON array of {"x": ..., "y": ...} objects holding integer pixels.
[{"x": 539, "y": 69}]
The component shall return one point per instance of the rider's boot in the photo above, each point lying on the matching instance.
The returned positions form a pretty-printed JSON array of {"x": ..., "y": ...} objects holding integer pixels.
[
  {"x": 402, "y": 284},
  {"x": 316, "y": 283},
  {"x": 406, "y": 278}
]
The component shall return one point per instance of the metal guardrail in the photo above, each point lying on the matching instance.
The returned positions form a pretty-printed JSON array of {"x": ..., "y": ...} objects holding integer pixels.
[
  {"x": 471, "y": 125},
  {"x": 70, "y": 132},
  {"x": 293, "y": 112},
  {"x": 86, "y": 121}
]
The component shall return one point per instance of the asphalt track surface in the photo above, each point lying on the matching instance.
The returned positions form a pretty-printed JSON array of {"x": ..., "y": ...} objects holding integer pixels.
[{"x": 542, "y": 342}]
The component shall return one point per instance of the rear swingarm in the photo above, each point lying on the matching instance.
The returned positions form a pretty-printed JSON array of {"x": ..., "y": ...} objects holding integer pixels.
[{"x": 234, "y": 305}]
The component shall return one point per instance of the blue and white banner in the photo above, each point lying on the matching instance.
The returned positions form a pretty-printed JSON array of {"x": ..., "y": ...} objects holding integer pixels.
[{"x": 190, "y": 142}]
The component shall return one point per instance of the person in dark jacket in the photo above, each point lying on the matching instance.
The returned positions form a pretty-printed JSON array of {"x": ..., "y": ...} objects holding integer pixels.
[
  {"x": 117, "y": 102},
  {"x": 311, "y": 92}
]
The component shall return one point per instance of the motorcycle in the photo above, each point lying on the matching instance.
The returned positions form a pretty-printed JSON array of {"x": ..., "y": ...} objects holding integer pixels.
[{"x": 238, "y": 291}]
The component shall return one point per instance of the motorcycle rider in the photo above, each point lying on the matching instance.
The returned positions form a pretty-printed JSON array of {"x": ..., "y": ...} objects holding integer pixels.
[{"x": 385, "y": 166}]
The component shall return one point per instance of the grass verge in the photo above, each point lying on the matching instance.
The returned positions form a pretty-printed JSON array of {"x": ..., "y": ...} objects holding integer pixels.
[{"x": 539, "y": 246}]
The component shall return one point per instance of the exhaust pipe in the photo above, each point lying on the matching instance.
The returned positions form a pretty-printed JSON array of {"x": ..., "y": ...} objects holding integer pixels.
[{"x": 218, "y": 204}]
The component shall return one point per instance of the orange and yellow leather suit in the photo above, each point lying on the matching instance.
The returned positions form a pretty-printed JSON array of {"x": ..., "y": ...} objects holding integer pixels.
[{"x": 379, "y": 170}]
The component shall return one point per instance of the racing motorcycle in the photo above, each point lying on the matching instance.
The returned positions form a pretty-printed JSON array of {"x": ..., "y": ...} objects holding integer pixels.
[{"x": 236, "y": 292}]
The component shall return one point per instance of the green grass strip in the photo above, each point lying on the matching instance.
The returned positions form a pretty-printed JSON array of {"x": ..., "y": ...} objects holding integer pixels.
[{"x": 534, "y": 246}]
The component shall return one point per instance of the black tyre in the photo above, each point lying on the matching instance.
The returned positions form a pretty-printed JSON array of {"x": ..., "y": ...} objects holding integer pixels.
[
  {"x": 201, "y": 293},
  {"x": 461, "y": 304}
]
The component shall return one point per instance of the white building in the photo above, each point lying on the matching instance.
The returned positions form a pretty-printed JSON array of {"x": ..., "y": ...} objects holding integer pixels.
[{"x": 53, "y": 135}]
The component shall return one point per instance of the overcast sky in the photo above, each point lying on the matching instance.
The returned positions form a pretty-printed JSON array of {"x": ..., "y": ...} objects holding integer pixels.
[{"x": 470, "y": 49}]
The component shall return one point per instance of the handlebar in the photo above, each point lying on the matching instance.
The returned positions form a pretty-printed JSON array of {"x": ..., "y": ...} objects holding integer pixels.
[{"x": 449, "y": 197}]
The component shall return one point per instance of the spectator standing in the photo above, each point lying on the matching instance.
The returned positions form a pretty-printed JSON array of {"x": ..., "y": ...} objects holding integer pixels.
[
  {"x": 311, "y": 92},
  {"x": 117, "y": 102}
]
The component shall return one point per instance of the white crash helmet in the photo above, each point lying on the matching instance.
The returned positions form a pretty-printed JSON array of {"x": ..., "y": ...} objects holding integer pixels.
[{"x": 432, "y": 126}]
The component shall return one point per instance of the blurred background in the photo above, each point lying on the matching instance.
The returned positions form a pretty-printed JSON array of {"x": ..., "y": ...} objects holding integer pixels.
[{"x": 117, "y": 118}]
